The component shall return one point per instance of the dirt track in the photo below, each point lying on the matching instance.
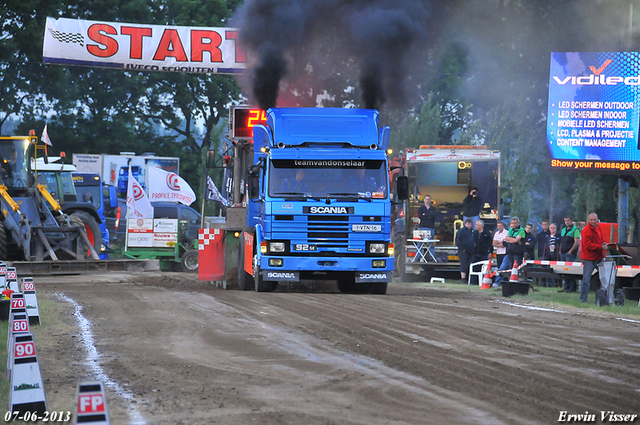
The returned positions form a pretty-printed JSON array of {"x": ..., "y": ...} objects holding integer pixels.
[{"x": 184, "y": 352}]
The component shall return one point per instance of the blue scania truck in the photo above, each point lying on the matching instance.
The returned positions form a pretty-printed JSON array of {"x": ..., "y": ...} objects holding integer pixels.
[{"x": 315, "y": 193}]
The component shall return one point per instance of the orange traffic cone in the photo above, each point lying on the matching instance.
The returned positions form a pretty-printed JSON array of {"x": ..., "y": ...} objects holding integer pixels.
[
  {"x": 487, "y": 281},
  {"x": 514, "y": 273}
]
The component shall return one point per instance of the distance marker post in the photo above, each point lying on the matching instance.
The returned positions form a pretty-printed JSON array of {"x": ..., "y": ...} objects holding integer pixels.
[
  {"x": 12, "y": 279},
  {"x": 18, "y": 325},
  {"x": 18, "y": 304},
  {"x": 27, "y": 389},
  {"x": 28, "y": 287},
  {"x": 3, "y": 275},
  {"x": 92, "y": 404}
]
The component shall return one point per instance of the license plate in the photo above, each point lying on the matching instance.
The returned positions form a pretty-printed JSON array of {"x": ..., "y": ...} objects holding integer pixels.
[{"x": 366, "y": 227}]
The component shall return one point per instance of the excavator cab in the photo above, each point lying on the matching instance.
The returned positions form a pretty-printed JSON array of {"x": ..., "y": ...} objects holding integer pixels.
[{"x": 15, "y": 164}]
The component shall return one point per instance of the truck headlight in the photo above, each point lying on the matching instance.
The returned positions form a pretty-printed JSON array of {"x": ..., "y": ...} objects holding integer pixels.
[
  {"x": 276, "y": 247},
  {"x": 376, "y": 248}
]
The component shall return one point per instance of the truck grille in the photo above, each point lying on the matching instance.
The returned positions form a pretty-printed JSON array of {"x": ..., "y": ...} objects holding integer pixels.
[
  {"x": 324, "y": 231},
  {"x": 330, "y": 231}
]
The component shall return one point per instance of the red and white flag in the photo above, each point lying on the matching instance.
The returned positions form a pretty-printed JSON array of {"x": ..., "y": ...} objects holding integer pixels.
[
  {"x": 45, "y": 136},
  {"x": 138, "y": 205},
  {"x": 169, "y": 187}
]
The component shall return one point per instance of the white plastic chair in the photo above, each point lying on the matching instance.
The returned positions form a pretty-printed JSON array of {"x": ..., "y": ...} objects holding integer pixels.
[{"x": 485, "y": 264}]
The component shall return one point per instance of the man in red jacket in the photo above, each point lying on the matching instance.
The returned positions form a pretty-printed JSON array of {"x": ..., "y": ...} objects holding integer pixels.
[{"x": 593, "y": 249}]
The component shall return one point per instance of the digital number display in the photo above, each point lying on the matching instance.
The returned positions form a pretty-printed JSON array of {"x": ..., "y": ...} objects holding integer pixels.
[{"x": 244, "y": 119}]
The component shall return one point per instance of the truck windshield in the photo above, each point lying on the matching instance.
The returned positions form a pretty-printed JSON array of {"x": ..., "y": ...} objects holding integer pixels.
[
  {"x": 13, "y": 164},
  {"x": 319, "y": 178}
]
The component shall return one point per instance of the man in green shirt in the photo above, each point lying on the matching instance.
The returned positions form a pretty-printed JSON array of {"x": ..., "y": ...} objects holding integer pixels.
[
  {"x": 569, "y": 243},
  {"x": 515, "y": 248}
]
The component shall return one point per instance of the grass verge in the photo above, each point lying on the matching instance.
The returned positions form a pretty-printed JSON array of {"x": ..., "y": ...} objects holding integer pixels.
[{"x": 538, "y": 296}]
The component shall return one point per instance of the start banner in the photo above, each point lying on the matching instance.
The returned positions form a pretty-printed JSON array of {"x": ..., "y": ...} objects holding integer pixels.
[{"x": 138, "y": 47}]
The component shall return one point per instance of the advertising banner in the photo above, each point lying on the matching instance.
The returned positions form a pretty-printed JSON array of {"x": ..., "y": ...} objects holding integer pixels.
[
  {"x": 592, "y": 122},
  {"x": 139, "y": 47}
]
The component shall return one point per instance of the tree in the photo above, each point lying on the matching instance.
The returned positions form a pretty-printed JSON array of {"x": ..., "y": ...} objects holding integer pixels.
[{"x": 109, "y": 111}]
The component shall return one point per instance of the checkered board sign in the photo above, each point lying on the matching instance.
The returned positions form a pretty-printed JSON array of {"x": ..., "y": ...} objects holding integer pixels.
[{"x": 206, "y": 236}]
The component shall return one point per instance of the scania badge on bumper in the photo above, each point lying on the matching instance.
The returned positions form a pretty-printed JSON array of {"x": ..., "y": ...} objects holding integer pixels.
[{"x": 380, "y": 277}]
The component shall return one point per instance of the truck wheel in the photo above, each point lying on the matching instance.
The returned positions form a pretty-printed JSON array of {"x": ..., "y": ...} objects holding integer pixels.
[
  {"x": 261, "y": 284},
  {"x": 189, "y": 261},
  {"x": 94, "y": 234},
  {"x": 245, "y": 280},
  {"x": 4, "y": 245}
]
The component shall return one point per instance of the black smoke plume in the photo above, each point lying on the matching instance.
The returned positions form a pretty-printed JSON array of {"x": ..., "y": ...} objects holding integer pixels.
[{"x": 382, "y": 36}]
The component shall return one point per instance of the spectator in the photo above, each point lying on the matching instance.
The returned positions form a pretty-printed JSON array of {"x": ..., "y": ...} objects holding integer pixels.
[
  {"x": 593, "y": 248},
  {"x": 472, "y": 206},
  {"x": 498, "y": 237},
  {"x": 541, "y": 237},
  {"x": 551, "y": 248},
  {"x": 296, "y": 184},
  {"x": 427, "y": 215},
  {"x": 515, "y": 248},
  {"x": 551, "y": 251},
  {"x": 570, "y": 240},
  {"x": 482, "y": 241},
  {"x": 464, "y": 242},
  {"x": 529, "y": 242}
]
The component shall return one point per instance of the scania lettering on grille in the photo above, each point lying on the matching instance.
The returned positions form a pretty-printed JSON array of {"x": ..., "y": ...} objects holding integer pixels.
[{"x": 328, "y": 210}]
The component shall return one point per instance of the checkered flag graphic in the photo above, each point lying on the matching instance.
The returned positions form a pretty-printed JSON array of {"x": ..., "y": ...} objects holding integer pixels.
[{"x": 67, "y": 37}]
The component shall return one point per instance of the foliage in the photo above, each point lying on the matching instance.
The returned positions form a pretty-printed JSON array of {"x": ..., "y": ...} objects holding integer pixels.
[
  {"x": 108, "y": 111},
  {"x": 516, "y": 135},
  {"x": 420, "y": 129}
]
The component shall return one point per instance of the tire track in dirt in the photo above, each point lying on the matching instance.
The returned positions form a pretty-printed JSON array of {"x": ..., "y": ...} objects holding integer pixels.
[
  {"x": 564, "y": 386},
  {"x": 308, "y": 357}
]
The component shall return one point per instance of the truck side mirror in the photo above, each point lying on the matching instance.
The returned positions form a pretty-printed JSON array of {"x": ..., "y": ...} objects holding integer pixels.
[
  {"x": 211, "y": 159},
  {"x": 254, "y": 182},
  {"x": 402, "y": 188}
]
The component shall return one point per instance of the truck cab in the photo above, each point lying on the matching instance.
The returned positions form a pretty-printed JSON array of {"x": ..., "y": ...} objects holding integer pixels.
[{"x": 318, "y": 204}]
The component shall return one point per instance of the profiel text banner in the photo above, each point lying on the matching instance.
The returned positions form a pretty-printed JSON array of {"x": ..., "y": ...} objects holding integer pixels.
[{"x": 139, "y": 47}]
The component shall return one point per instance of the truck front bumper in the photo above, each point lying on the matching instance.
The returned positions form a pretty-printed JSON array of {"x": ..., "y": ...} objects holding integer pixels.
[{"x": 293, "y": 267}]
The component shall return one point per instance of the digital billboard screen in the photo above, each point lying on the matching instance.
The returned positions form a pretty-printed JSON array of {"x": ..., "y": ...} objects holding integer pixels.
[{"x": 592, "y": 122}]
